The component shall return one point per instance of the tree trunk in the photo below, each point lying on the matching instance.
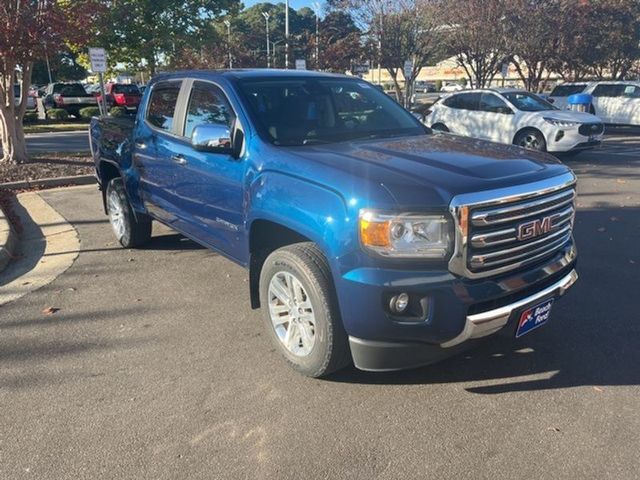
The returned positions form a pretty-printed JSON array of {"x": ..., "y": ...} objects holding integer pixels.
[{"x": 12, "y": 141}]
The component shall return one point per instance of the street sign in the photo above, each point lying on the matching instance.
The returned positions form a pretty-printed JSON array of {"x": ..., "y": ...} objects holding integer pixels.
[
  {"x": 505, "y": 70},
  {"x": 301, "y": 64},
  {"x": 98, "y": 57},
  {"x": 408, "y": 68},
  {"x": 360, "y": 68}
]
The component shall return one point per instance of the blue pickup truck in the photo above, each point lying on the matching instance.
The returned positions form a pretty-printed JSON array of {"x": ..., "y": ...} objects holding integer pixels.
[{"x": 368, "y": 238}]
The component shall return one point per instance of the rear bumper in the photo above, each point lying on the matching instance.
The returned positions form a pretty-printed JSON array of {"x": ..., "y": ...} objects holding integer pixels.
[{"x": 386, "y": 356}]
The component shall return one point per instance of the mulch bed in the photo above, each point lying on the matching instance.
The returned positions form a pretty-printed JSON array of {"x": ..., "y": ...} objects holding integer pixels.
[{"x": 47, "y": 166}]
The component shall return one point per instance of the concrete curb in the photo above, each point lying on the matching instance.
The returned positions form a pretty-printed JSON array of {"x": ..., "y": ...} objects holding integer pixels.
[
  {"x": 8, "y": 241},
  {"x": 50, "y": 182}
]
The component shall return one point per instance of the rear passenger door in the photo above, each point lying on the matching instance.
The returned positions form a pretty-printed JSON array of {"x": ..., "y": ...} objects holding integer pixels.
[
  {"x": 462, "y": 114},
  {"x": 154, "y": 141}
]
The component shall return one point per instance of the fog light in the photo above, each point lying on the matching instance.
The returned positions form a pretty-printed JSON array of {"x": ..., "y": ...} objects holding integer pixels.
[
  {"x": 399, "y": 303},
  {"x": 559, "y": 135}
]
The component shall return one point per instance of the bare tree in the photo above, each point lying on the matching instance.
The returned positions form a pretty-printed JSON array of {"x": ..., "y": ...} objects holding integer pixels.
[
  {"x": 404, "y": 30},
  {"x": 476, "y": 34},
  {"x": 533, "y": 29},
  {"x": 618, "y": 25}
]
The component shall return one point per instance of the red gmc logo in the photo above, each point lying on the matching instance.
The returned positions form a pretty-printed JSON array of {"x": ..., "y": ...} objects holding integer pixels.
[{"x": 535, "y": 228}]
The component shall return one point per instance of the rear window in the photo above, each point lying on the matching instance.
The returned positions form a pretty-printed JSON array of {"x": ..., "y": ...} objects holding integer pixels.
[
  {"x": 69, "y": 89},
  {"x": 126, "y": 89},
  {"x": 16, "y": 91},
  {"x": 566, "y": 90},
  {"x": 162, "y": 105}
]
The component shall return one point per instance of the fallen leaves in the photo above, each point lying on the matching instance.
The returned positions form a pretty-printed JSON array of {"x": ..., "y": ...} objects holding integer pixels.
[{"x": 50, "y": 310}]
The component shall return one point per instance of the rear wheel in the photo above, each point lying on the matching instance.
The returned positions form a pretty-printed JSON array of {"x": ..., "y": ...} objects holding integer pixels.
[
  {"x": 439, "y": 127},
  {"x": 300, "y": 310},
  {"x": 531, "y": 139},
  {"x": 130, "y": 230}
]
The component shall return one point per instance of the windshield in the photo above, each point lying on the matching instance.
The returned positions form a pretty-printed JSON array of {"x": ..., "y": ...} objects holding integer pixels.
[
  {"x": 527, "y": 102},
  {"x": 295, "y": 111}
]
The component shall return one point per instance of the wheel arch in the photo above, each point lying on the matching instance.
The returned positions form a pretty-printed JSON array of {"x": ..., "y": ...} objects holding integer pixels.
[{"x": 526, "y": 129}]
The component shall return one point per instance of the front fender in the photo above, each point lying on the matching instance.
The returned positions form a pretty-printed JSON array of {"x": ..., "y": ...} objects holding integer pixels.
[{"x": 310, "y": 209}]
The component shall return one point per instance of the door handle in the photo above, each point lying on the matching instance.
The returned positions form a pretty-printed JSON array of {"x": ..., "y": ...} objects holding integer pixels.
[{"x": 179, "y": 159}]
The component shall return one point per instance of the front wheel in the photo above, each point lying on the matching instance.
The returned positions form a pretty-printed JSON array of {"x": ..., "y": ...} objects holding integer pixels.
[
  {"x": 532, "y": 140},
  {"x": 130, "y": 230},
  {"x": 301, "y": 312}
]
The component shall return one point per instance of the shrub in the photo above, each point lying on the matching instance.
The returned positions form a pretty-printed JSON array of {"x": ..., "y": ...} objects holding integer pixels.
[
  {"x": 118, "y": 112},
  {"x": 438, "y": 85},
  {"x": 57, "y": 114},
  {"x": 88, "y": 112},
  {"x": 30, "y": 117}
]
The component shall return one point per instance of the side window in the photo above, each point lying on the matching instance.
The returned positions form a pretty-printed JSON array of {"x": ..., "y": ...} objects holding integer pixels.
[
  {"x": 608, "y": 90},
  {"x": 491, "y": 103},
  {"x": 631, "y": 91},
  {"x": 162, "y": 105},
  {"x": 207, "y": 105},
  {"x": 463, "y": 101},
  {"x": 469, "y": 101}
]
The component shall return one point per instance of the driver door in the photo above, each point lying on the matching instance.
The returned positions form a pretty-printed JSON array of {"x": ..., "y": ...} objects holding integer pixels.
[
  {"x": 495, "y": 119},
  {"x": 210, "y": 191}
]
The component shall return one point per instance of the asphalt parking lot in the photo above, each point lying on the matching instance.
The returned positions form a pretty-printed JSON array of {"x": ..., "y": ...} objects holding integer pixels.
[{"x": 154, "y": 366}]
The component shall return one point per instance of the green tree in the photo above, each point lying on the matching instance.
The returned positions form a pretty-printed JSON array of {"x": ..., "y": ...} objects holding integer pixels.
[{"x": 154, "y": 32}]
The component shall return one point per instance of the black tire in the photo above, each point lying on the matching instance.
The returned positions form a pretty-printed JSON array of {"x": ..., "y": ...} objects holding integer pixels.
[
  {"x": 135, "y": 230},
  {"x": 306, "y": 262},
  {"x": 531, "y": 139},
  {"x": 439, "y": 127}
]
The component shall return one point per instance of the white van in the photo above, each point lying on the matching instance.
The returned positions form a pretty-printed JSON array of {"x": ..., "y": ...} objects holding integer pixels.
[{"x": 615, "y": 102}]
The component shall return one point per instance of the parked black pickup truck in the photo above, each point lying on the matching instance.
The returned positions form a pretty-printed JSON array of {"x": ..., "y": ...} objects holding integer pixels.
[{"x": 71, "y": 97}]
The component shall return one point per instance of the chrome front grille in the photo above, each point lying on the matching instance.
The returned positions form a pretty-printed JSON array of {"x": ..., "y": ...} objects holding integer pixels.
[{"x": 507, "y": 232}]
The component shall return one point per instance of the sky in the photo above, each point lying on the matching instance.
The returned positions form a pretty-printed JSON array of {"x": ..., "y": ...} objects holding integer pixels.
[{"x": 296, "y": 4}]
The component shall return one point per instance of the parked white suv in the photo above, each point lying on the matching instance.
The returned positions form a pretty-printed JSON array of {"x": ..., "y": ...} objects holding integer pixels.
[
  {"x": 615, "y": 102},
  {"x": 515, "y": 117}
]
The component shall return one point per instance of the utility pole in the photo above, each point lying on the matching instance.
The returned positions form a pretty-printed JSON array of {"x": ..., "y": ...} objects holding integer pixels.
[
  {"x": 286, "y": 34},
  {"x": 228, "y": 24},
  {"x": 266, "y": 19},
  {"x": 316, "y": 7}
]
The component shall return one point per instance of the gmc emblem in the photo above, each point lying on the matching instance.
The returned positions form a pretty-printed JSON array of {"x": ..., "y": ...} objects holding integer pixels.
[{"x": 535, "y": 228}]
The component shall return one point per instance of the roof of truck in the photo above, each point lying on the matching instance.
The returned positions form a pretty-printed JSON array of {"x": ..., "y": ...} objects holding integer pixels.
[{"x": 250, "y": 73}]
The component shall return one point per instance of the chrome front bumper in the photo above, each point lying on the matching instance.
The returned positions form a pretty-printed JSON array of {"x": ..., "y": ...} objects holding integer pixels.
[{"x": 485, "y": 323}]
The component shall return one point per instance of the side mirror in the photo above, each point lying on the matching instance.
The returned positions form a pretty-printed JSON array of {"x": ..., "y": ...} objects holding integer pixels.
[
  {"x": 421, "y": 118},
  {"x": 212, "y": 138}
]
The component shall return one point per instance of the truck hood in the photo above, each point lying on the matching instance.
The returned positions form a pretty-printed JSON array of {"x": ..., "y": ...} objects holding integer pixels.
[{"x": 426, "y": 169}]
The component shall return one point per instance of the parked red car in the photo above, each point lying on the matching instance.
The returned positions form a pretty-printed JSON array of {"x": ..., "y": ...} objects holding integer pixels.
[{"x": 122, "y": 95}]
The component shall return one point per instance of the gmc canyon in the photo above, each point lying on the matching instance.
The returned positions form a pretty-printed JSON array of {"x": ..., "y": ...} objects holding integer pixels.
[{"x": 368, "y": 238}]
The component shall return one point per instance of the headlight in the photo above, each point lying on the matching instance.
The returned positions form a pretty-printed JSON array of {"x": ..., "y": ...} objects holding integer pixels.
[
  {"x": 561, "y": 123},
  {"x": 406, "y": 235}
]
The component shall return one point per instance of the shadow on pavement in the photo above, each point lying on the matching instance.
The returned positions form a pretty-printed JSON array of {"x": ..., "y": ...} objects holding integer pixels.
[{"x": 593, "y": 337}]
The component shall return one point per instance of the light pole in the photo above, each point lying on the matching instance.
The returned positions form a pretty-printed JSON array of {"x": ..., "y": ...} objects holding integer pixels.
[
  {"x": 228, "y": 24},
  {"x": 266, "y": 19},
  {"x": 316, "y": 8},
  {"x": 286, "y": 34}
]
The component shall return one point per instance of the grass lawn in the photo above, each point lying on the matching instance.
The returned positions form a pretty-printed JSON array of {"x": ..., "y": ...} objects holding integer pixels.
[{"x": 46, "y": 126}]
